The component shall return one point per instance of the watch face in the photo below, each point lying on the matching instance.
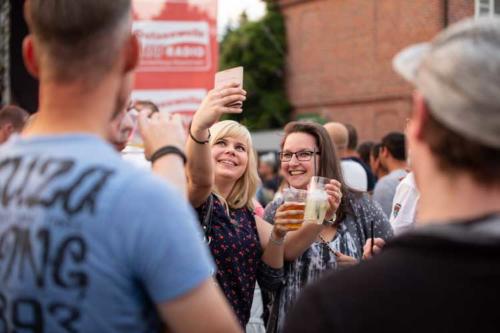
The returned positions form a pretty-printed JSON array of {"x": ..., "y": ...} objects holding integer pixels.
[{"x": 330, "y": 221}]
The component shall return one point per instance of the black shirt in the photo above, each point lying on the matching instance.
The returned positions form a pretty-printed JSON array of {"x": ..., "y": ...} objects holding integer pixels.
[{"x": 422, "y": 282}]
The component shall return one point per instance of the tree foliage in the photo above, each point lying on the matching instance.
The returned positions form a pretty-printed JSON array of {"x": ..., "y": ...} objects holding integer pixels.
[{"x": 260, "y": 47}]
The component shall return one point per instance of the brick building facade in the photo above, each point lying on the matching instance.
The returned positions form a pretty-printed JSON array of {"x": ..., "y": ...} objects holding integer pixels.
[{"x": 340, "y": 52}]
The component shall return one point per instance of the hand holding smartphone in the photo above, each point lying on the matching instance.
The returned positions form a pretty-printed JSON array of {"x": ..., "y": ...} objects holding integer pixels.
[{"x": 231, "y": 75}]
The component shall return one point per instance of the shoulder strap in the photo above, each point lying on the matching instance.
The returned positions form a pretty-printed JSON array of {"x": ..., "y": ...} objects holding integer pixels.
[{"x": 206, "y": 224}]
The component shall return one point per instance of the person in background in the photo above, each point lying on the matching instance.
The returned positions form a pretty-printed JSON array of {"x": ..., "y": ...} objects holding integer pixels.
[
  {"x": 378, "y": 169},
  {"x": 404, "y": 206},
  {"x": 352, "y": 154},
  {"x": 352, "y": 140},
  {"x": 268, "y": 173},
  {"x": 353, "y": 172},
  {"x": 134, "y": 150},
  {"x": 120, "y": 129},
  {"x": 443, "y": 276},
  {"x": 12, "y": 120},
  {"x": 156, "y": 131},
  {"x": 107, "y": 247},
  {"x": 306, "y": 151},
  {"x": 393, "y": 157},
  {"x": 364, "y": 150}
]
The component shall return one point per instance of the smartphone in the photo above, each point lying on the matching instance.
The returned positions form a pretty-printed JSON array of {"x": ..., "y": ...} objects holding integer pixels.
[{"x": 231, "y": 75}]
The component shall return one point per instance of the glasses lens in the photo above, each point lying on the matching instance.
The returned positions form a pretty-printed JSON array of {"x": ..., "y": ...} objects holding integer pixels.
[
  {"x": 285, "y": 157},
  {"x": 304, "y": 155}
]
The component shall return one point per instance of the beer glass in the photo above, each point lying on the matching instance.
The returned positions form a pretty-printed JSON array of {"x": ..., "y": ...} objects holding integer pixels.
[
  {"x": 295, "y": 200},
  {"x": 317, "y": 200}
]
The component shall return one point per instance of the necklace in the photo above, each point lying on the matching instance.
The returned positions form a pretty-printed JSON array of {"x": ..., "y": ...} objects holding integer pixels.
[{"x": 327, "y": 245}]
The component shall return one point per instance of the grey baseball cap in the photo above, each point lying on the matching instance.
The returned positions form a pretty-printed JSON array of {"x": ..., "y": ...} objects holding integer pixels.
[{"x": 458, "y": 73}]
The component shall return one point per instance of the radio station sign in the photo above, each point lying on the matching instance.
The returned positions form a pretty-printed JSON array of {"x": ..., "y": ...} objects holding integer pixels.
[
  {"x": 172, "y": 46},
  {"x": 178, "y": 52}
]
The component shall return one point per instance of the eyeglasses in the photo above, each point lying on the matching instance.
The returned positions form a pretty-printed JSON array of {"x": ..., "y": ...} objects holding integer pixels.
[
  {"x": 304, "y": 155},
  {"x": 139, "y": 105}
]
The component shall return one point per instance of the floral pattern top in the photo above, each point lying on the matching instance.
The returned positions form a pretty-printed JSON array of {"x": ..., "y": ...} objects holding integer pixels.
[
  {"x": 236, "y": 249},
  {"x": 350, "y": 238}
]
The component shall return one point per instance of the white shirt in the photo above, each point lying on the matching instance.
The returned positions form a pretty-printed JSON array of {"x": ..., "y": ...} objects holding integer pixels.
[
  {"x": 404, "y": 205},
  {"x": 135, "y": 156},
  {"x": 354, "y": 175}
]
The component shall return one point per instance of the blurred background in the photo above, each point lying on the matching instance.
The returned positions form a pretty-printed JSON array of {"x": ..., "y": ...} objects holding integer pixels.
[{"x": 325, "y": 60}]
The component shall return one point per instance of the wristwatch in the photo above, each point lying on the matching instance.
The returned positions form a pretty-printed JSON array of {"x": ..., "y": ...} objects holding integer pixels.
[{"x": 331, "y": 221}]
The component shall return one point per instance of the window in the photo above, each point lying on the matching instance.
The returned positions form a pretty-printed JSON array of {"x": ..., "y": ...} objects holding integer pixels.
[{"x": 487, "y": 7}]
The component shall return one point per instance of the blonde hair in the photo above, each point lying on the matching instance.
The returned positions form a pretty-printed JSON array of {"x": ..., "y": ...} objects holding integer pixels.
[{"x": 244, "y": 189}]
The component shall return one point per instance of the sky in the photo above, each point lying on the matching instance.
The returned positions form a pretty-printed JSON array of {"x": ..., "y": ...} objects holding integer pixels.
[{"x": 229, "y": 12}]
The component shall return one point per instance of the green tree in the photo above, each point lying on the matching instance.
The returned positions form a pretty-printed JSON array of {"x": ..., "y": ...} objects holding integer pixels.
[{"x": 260, "y": 47}]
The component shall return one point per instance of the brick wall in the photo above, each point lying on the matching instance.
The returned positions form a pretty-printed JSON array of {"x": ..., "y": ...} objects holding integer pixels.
[
  {"x": 340, "y": 51},
  {"x": 459, "y": 9}
]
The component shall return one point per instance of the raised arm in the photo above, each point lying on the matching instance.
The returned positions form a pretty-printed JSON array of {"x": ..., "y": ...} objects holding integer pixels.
[
  {"x": 199, "y": 166},
  {"x": 297, "y": 242},
  {"x": 290, "y": 247},
  {"x": 158, "y": 131}
]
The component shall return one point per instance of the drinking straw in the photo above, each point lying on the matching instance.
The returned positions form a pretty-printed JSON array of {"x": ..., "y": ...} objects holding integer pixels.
[{"x": 371, "y": 236}]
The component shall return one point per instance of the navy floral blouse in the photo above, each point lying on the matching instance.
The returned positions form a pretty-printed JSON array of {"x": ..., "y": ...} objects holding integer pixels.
[{"x": 236, "y": 249}]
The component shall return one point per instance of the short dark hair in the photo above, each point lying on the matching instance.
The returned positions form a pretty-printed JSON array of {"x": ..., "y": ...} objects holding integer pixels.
[
  {"x": 80, "y": 38},
  {"x": 364, "y": 150},
  {"x": 456, "y": 153},
  {"x": 395, "y": 143},
  {"x": 14, "y": 115},
  {"x": 352, "y": 141},
  {"x": 375, "y": 151}
]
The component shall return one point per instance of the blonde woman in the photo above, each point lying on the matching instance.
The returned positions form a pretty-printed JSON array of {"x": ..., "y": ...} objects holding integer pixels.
[{"x": 222, "y": 166}]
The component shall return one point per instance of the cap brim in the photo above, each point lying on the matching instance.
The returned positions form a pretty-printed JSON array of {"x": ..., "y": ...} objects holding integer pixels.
[{"x": 407, "y": 61}]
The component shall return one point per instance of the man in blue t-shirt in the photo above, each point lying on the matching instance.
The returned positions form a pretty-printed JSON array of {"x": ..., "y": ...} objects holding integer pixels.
[{"x": 87, "y": 242}]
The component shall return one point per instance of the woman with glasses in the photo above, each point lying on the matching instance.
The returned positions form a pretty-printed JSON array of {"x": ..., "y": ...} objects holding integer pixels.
[
  {"x": 222, "y": 169},
  {"x": 307, "y": 151}
]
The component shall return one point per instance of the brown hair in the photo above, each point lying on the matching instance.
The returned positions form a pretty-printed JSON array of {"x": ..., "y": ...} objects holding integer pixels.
[
  {"x": 455, "y": 153},
  {"x": 78, "y": 39},
  {"x": 14, "y": 115},
  {"x": 329, "y": 164},
  {"x": 352, "y": 142}
]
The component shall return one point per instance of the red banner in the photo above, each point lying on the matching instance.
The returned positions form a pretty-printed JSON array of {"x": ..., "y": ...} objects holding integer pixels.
[{"x": 178, "y": 52}]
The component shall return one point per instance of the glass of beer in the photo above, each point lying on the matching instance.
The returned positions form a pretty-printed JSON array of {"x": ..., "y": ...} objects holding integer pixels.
[
  {"x": 317, "y": 200},
  {"x": 295, "y": 200}
]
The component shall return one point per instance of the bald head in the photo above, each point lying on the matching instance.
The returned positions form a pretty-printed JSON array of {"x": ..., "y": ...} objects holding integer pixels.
[{"x": 339, "y": 135}]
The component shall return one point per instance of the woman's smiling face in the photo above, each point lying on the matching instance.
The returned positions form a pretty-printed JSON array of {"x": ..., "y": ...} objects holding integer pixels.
[
  {"x": 298, "y": 173},
  {"x": 230, "y": 157}
]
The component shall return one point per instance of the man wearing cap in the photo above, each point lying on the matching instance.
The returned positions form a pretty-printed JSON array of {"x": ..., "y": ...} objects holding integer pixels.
[
  {"x": 89, "y": 243},
  {"x": 443, "y": 276}
]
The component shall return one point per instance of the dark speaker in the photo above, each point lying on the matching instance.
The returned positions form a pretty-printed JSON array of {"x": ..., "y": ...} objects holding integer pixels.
[{"x": 24, "y": 88}]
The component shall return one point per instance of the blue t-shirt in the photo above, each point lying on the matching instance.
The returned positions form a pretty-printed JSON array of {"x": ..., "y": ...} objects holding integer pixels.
[{"x": 87, "y": 242}]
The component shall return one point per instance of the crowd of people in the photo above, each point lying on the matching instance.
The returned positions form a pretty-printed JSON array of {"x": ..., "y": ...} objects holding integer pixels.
[{"x": 99, "y": 236}]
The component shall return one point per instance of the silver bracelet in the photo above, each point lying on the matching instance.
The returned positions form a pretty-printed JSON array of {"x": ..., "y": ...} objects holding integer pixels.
[{"x": 276, "y": 241}]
